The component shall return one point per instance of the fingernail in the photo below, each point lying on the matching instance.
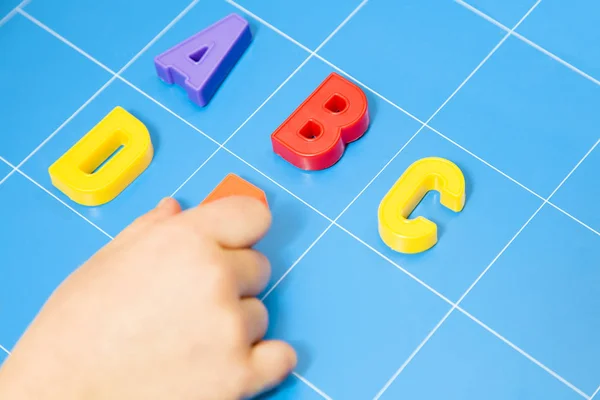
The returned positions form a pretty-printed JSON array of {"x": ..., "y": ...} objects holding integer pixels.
[{"x": 163, "y": 201}]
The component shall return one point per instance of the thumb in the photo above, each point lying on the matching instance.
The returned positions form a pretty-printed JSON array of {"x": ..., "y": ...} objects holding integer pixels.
[{"x": 272, "y": 362}]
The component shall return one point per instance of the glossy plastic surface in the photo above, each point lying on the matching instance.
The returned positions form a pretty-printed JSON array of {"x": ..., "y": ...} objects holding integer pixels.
[
  {"x": 201, "y": 63},
  {"x": 315, "y": 136},
  {"x": 233, "y": 185},
  {"x": 419, "y": 234},
  {"x": 79, "y": 172}
]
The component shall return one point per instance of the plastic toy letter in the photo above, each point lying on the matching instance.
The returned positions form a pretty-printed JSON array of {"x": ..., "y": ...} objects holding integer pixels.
[
  {"x": 233, "y": 185},
  {"x": 76, "y": 172},
  {"x": 419, "y": 234},
  {"x": 314, "y": 137},
  {"x": 200, "y": 63}
]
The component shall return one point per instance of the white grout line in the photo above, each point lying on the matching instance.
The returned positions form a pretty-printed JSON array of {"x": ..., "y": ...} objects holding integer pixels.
[
  {"x": 13, "y": 12},
  {"x": 64, "y": 40},
  {"x": 573, "y": 170},
  {"x": 140, "y": 91},
  {"x": 528, "y": 41},
  {"x": 341, "y": 25},
  {"x": 412, "y": 355},
  {"x": 312, "y": 386},
  {"x": 296, "y": 263},
  {"x": 7, "y": 176},
  {"x": 595, "y": 393},
  {"x": 382, "y": 97},
  {"x": 486, "y": 270},
  {"x": 268, "y": 99},
  {"x": 279, "y": 185},
  {"x": 159, "y": 35},
  {"x": 485, "y": 59},
  {"x": 573, "y": 218},
  {"x": 268, "y": 25},
  {"x": 522, "y": 352},
  {"x": 4, "y": 349},
  {"x": 405, "y": 271},
  {"x": 486, "y": 163},
  {"x": 57, "y": 130},
  {"x": 63, "y": 203},
  {"x": 556, "y": 58},
  {"x": 195, "y": 172},
  {"x": 15, "y": 169}
]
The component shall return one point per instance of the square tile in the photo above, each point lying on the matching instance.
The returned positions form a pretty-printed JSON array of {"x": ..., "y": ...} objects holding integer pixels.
[
  {"x": 294, "y": 226},
  {"x": 569, "y": 30},
  {"x": 111, "y": 31},
  {"x": 507, "y": 12},
  {"x": 542, "y": 295},
  {"x": 526, "y": 114},
  {"x": 178, "y": 151},
  {"x": 292, "y": 389},
  {"x": 415, "y": 52},
  {"x": 578, "y": 195},
  {"x": 468, "y": 241},
  {"x": 293, "y": 18},
  {"x": 464, "y": 361},
  {"x": 352, "y": 316},
  {"x": 42, "y": 243},
  {"x": 330, "y": 190},
  {"x": 267, "y": 62},
  {"x": 56, "y": 91}
]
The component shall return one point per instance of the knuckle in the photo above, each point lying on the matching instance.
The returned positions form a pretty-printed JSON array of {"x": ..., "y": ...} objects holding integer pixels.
[
  {"x": 219, "y": 277},
  {"x": 264, "y": 265},
  {"x": 234, "y": 327}
]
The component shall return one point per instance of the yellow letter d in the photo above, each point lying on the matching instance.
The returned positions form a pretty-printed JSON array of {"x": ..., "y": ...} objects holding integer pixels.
[{"x": 79, "y": 173}]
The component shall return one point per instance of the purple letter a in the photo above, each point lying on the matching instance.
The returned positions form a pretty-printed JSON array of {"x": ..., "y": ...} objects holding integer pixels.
[{"x": 201, "y": 63}]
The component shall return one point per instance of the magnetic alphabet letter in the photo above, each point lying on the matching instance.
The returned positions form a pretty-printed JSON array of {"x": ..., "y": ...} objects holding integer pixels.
[
  {"x": 314, "y": 137},
  {"x": 419, "y": 234},
  {"x": 79, "y": 172},
  {"x": 233, "y": 185},
  {"x": 201, "y": 63}
]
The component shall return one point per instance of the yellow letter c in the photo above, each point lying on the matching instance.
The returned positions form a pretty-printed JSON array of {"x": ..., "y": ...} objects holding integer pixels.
[{"x": 419, "y": 234}]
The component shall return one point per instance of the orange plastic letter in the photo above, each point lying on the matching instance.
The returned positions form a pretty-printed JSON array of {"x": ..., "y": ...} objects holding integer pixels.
[{"x": 233, "y": 185}]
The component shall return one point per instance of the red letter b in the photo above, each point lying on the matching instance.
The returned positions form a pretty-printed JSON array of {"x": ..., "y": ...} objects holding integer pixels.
[{"x": 314, "y": 137}]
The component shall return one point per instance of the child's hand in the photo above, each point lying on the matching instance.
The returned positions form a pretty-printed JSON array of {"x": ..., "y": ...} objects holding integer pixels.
[{"x": 167, "y": 310}]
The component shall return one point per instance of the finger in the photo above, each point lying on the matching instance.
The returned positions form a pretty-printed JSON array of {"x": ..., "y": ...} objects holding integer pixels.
[
  {"x": 271, "y": 362},
  {"x": 256, "y": 319},
  {"x": 252, "y": 271},
  {"x": 234, "y": 222},
  {"x": 165, "y": 209}
]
